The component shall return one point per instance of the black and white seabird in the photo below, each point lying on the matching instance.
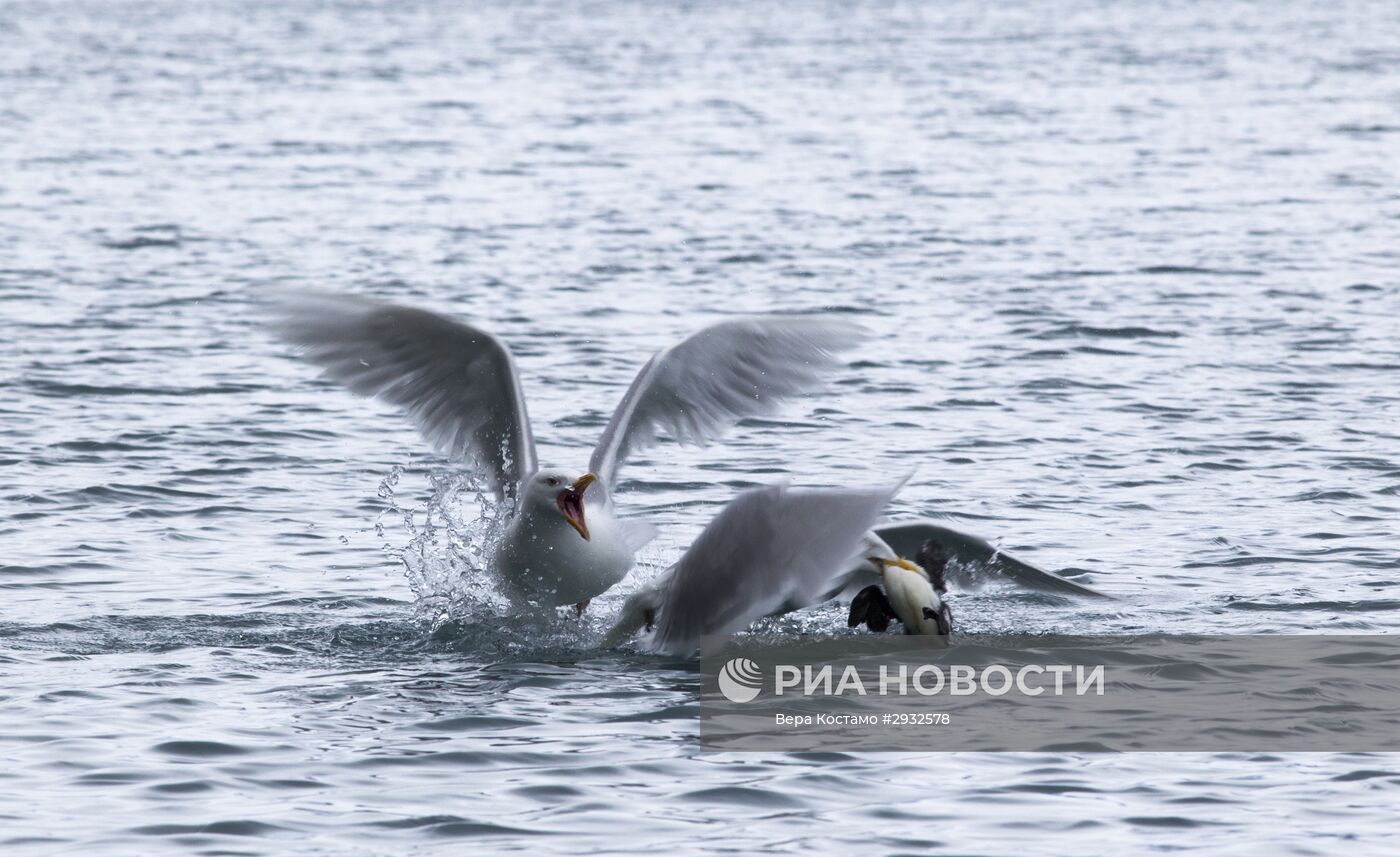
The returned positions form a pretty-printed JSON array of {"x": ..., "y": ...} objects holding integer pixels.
[{"x": 911, "y": 592}]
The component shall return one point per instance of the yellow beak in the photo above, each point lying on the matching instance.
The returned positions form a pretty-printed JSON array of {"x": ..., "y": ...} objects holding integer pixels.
[
  {"x": 903, "y": 563},
  {"x": 571, "y": 503}
]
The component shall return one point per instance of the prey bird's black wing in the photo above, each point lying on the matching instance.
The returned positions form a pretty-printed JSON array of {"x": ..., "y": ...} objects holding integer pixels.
[
  {"x": 934, "y": 561},
  {"x": 872, "y": 609}
]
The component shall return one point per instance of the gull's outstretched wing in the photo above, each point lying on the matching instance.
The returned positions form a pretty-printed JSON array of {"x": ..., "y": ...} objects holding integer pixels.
[
  {"x": 704, "y": 384},
  {"x": 976, "y": 559},
  {"x": 973, "y": 562},
  {"x": 457, "y": 382},
  {"x": 768, "y": 546}
]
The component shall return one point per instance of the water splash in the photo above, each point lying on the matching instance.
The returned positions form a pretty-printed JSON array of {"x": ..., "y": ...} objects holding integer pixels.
[
  {"x": 448, "y": 562},
  {"x": 452, "y": 537}
]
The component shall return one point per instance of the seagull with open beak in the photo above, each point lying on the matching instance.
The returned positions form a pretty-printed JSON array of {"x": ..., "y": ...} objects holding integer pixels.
[
  {"x": 564, "y": 543},
  {"x": 565, "y": 521}
]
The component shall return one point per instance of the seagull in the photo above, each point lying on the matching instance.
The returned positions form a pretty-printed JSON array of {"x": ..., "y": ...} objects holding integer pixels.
[
  {"x": 913, "y": 591},
  {"x": 768, "y": 546},
  {"x": 967, "y": 561},
  {"x": 563, "y": 543},
  {"x": 971, "y": 560}
]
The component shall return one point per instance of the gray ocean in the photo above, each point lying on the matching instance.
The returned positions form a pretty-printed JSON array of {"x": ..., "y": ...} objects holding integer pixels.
[{"x": 1132, "y": 273}]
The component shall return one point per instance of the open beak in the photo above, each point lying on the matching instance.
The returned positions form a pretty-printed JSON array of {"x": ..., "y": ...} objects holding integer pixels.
[{"x": 571, "y": 503}]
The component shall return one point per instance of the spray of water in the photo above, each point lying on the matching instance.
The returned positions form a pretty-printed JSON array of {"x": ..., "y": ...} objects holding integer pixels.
[
  {"x": 451, "y": 538},
  {"x": 448, "y": 560}
]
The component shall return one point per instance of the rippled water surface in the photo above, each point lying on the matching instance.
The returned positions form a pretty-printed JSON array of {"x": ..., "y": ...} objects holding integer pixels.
[{"x": 1134, "y": 273}]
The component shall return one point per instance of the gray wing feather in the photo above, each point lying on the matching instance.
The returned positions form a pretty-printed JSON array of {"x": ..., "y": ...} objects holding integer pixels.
[
  {"x": 974, "y": 562},
  {"x": 768, "y": 546},
  {"x": 719, "y": 375},
  {"x": 973, "y": 556},
  {"x": 457, "y": 382}
]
